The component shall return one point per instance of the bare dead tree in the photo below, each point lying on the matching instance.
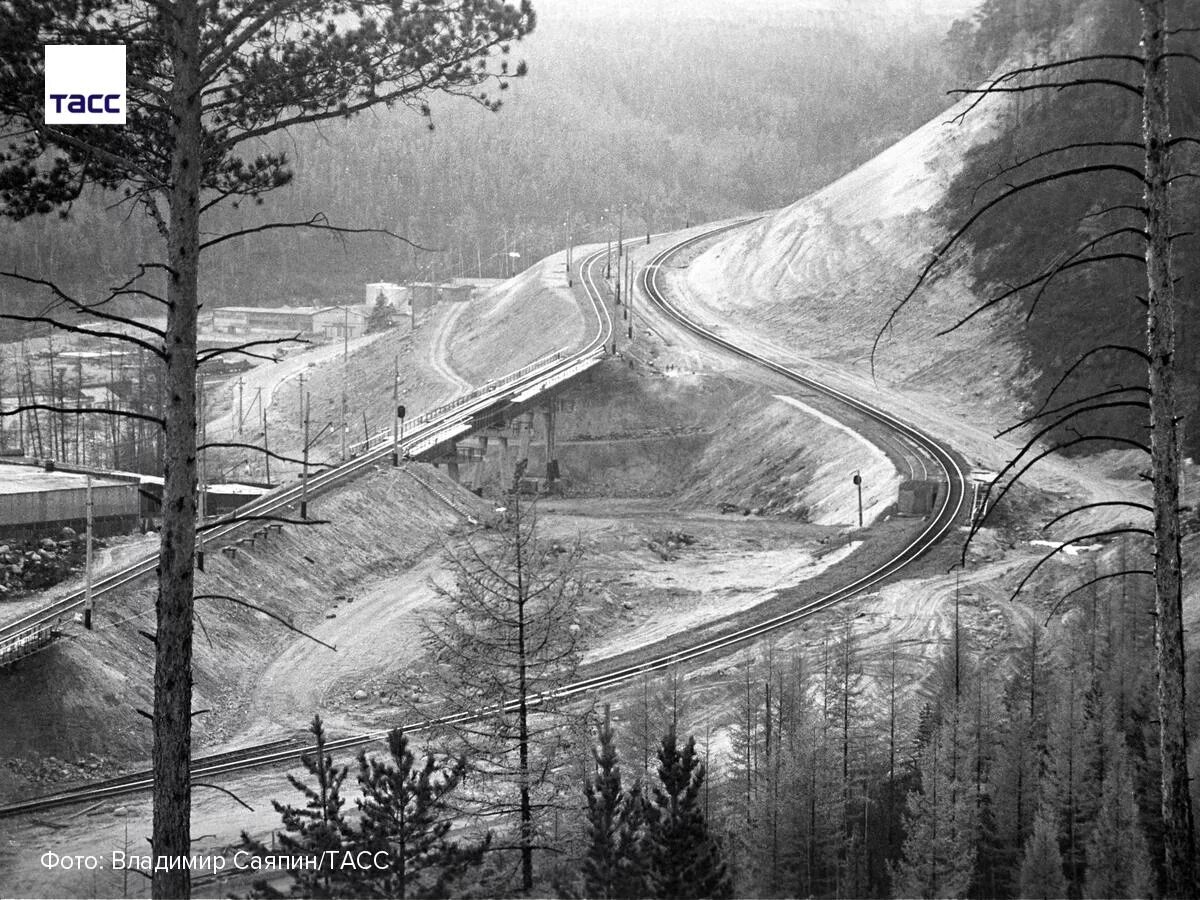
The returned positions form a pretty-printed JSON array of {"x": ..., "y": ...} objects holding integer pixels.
[
  {"x": 1145, "y": 76},
  {"x": 507, "y": 639}
]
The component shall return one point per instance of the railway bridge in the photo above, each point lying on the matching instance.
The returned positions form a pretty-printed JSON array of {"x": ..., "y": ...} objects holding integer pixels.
[{"x": 442, "y": 435}]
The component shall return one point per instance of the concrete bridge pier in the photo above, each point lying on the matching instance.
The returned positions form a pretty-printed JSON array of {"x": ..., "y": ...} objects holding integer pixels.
[
  {"x": 523, "y": 430},
  {"x": 502, "y": 446},
  {"x": 551, "y": 450},
  {"x": 479, "y": 462}
]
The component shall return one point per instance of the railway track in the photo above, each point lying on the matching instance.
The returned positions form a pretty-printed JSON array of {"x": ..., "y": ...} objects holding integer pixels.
[{"x": 937, "y": 459}]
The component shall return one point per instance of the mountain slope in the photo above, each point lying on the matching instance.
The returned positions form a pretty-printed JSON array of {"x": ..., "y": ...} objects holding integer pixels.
[{"x": 822, "y": 275}]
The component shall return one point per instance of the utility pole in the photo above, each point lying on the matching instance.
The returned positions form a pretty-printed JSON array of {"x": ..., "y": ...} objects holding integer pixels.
[
  {"x": 266, "y": 446},
  {"x": 87, "y": 565},
  {"x": 304, "y": 406},
  {"x": 241, "y": 382},
  {"x": 629, "y": 295},
  {"x": 79, "y": 434},
  {"x": 570, "y": 235},
  {"x": 620, "y": 232},
  {"x": 345, "y": 373},
  {"x": 396, "y": 409},
  {"x": 858, "y": 484}
]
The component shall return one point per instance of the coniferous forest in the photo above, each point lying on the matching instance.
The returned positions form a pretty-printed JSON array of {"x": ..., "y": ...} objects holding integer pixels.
[{"x": 1024, "y": 773}]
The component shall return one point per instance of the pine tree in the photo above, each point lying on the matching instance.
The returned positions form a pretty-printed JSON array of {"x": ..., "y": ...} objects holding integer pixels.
[
  {"x": 685, "y": 860},
  {"x": 208, "y": 85},
  {"x": 613, "y": 866},
  {"x": 313, "y": 830},
  {"x": 843, "y": 687},
  {"x": 1118, "y": 860},
  {"x": 1042, "y": 867},
  {"x": 506, "y": 639},
  {"x": 380, "y": 317},
  {"x": 1066, "y": 775},
  {"x": 406, "y": 815},
  {"x": 938, "y": 855},
  {"x": 1018, "y": 772}
]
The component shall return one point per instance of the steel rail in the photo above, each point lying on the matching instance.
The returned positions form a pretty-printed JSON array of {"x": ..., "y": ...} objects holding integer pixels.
[{"x": 939, "y": 525}]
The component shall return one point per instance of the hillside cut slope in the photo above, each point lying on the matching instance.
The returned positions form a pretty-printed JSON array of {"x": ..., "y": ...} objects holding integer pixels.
[{"x": 821, "y": 276}]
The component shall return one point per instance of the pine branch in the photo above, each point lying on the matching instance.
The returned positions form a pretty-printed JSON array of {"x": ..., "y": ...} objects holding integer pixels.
[
  {"x": 991, "y": 502},
  {"x": 238, "y": 518},
  {"x": 1044, "y": 280},
  {"x": 1083, "y": 537},
  {"x": 1049, "y": 412},
  {"x": 318, "y": 222},
  {"x": 266, "y": 612},
  {"x": 88, "y": 308},
  {"x": 83, "y": 411},
  {"x": 1047, "y": 429},
  {"x": 1047, "y": 67},
  {"x": 238, "y": 445},
  {"x": 1053, "y": 151},
  {"x": 1013, "y": 191},
  {"x": 91, "y": 332},
  {"x": 226, "y": 791},
  {"x": 116, "y": 161},
  {"x": 1089, "y": 583},
  {"x": 1124, "y": 348},
  {"x": 207, "y": 355},
  {"x": 1078, "y": 509},
  {"x": 1044, "y": 85}
]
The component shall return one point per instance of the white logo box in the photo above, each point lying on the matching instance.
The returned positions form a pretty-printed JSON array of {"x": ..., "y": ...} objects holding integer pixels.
[{"x": 85, "y": 84}]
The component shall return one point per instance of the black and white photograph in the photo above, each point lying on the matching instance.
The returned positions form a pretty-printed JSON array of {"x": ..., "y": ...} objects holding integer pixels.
[{"x": 600, "y": 449}]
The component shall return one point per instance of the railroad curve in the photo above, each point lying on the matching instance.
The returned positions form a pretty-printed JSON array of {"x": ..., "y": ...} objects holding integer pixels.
[{"x": 615, "y": 671}]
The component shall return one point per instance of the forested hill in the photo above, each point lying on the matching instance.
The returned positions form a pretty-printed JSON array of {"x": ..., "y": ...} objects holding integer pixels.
[
  {"x": 681, "y": 112},
  {"x": 1099, "y": 303}
]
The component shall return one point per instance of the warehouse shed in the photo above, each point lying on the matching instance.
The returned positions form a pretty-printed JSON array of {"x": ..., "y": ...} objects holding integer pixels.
[{"x": 34, "y": 501}]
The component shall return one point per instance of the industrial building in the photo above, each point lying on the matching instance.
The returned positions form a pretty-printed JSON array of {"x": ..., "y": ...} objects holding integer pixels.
[
  {"x": 320, "y": 322},
  {"x": 35, "y": 501},
  {"x": 335, "y": 323}
]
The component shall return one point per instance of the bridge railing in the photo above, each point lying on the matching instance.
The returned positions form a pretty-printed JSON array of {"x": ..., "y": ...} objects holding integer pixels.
[{"x": 383, "y": 435}]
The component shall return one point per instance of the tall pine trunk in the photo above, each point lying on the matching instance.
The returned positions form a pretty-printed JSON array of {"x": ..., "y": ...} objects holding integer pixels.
[
  {"x": 173, "y": 646},
  {"x": 1164, "y": 445}
]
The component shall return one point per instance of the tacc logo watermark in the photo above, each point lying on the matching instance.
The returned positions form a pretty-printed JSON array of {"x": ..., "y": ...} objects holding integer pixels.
[{"x": 85, "y": 84}]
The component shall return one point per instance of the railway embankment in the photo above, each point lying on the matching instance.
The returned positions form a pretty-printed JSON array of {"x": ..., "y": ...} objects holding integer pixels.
[{"x": 78, "y": 700}]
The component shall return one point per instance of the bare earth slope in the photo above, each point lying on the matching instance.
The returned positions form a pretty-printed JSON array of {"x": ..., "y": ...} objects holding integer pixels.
[{"x": 823, "y": 274}]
